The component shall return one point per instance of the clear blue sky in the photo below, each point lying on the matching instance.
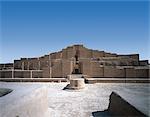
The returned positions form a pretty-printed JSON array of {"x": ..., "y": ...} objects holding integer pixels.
[{"x": 31, "y": 29}]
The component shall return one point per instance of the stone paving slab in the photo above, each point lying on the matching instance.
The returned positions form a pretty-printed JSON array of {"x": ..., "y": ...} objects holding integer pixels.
[
  {"x": 94, "y": 97},
  {"x": 26, "y": 100}
]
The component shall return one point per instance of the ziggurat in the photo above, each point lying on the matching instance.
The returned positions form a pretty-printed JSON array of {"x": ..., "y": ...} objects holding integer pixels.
[{"x": 91, "y": 63}]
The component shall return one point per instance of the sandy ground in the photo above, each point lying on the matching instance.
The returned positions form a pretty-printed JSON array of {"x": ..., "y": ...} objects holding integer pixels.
[{"x": 95, "y": 97}]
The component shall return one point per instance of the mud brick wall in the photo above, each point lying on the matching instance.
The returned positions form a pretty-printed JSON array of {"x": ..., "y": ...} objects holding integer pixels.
[
  {"x": 9, "y": 65},
  {"x": 23, "y": 60},
  {"x": 93, "y": 63},
  {"x": 142, "y": 73},
  {"x": 5, "y": 74},
  {"x": 96, "y": 70},
  {"x": 44, "y": 62},
  {"x": 33, "y": 64},
  {"x": 21, "y": 64},
  {"x": 89, "y": 53},
  {"x": 26, "y": 64},
  {"x": 86, "y": 67},
  {"x": 120, "y": 73},
  {"x": 2, "y": 66},
  {"x": 17, "y": 64},
  {"x": 6, "y": 66},
  {"x": 109, "y": 54},
  {"x": 21, "y": 74},
  {"x": 97, "y": 54},
  {"x": 149, "y": 73},
  {"x": 66, "y": 68},
  {"x": 101, "y": 53},
  {"x": 46, "y": 72},
  {"x": 83, "y": 53},
  {"x": 143, "y": 63},
  {"x": 128, "y": 62},
  {"x": 64, "y": 54},
  {"x": 37, "y": 74},
  {"x": 70, "y": 52},
  {"x": 58, "y": 55},
  {"x": 134, "y": 56},
  {"x": 56, "y": 68},
  {"x": 130, "y": 72},
  {"x": 109, "y": 71},
  {"x": 113, "y": 72},
  {"x": 53, "y": 55},
  {"x": 26, "y": 74}
]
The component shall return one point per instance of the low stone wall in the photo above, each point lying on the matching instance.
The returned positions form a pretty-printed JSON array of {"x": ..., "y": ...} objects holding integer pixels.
[
  {"x": 34, "y": 104},
  {"x": 117, "y": 80},
  {"x": 36, "y": 74},
  {"x": 120, "y": 107},
  {"x": 33, "y": 80},
  {"x": 142, "y": 73},
  {"x": 95, "y": 72},
  {"x": 21, "y": 73},
  {"x": 5, "y": 74}
]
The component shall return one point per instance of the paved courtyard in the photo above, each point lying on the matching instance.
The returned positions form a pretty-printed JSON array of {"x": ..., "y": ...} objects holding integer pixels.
[{"x": 95, "y": 97}]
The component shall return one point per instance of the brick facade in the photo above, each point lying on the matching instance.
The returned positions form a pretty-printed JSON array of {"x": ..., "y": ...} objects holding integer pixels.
[{"x": 93, "y": 63}]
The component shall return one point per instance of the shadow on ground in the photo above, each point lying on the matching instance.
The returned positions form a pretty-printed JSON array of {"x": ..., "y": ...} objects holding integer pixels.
[
  {"x": 5, "y": 91},
  {"x": 104, "y": 113}
]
